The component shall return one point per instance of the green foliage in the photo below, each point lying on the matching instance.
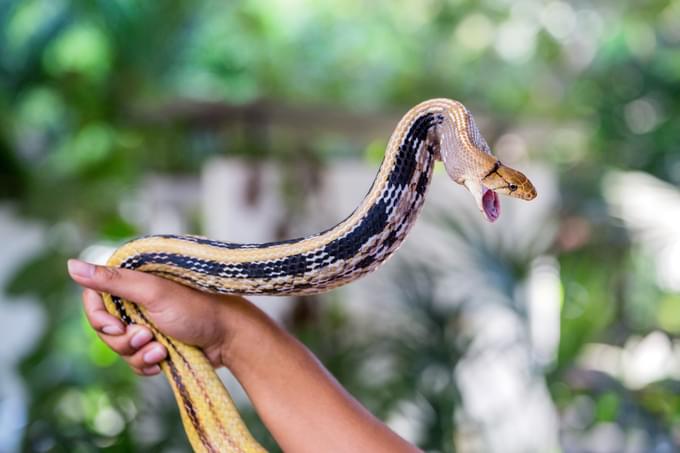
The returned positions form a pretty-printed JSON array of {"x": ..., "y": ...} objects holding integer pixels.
[{"x": 91, "y": 101}]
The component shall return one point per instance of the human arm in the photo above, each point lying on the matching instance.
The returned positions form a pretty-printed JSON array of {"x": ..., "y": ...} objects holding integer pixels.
[{"x": 303, "y": 406}]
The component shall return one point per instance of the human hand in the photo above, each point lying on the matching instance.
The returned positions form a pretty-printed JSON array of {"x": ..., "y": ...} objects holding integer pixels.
[
  {"x": 302, "y": 405},
  {"x": 207, "y": 321}
]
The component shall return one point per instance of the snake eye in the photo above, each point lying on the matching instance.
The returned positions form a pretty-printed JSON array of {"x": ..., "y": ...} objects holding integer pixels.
[{"x": 512, "y": 187}]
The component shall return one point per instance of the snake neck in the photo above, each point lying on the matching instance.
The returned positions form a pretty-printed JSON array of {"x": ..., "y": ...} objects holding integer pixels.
[{"x": 317, "y": 263}]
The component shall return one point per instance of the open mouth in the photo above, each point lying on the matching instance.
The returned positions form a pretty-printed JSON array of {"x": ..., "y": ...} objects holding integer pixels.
[{"x": 491, "y": 205}]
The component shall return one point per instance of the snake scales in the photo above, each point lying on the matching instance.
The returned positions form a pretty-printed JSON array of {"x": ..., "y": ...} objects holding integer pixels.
[{"x": 438, "y": 129}]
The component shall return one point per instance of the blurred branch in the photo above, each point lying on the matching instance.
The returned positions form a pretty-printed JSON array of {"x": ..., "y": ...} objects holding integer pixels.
[{"x": 303, "y": 119}]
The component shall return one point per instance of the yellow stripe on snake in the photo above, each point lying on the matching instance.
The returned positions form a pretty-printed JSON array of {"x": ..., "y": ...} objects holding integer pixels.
[{"x": 436, "y": 129}]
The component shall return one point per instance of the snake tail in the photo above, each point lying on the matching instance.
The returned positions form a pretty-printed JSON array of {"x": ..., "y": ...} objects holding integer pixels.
[{"x": 209, "y": 416}]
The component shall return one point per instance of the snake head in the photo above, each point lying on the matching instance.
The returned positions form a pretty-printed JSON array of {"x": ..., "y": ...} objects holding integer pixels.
[
  {"x": 507, "y": 181},
  {"x": 499, "y": 180}
]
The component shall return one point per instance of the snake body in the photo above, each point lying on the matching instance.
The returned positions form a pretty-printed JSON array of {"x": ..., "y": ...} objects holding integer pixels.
[{"x": 436, "y": 129}]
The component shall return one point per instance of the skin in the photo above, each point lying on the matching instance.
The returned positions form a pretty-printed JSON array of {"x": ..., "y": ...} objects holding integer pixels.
[{"x": 302, "y": 405}]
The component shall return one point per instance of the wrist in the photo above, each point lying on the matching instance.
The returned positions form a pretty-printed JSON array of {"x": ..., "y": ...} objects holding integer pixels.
[{"x": 246, "y": 330}]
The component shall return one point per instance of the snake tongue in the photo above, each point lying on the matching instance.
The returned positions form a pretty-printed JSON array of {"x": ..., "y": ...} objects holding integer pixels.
[{"x": 491, "y": 205}]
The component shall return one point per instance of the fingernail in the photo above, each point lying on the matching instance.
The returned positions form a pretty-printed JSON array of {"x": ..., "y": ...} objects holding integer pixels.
[
  {"x": 80, "y": 268},
  {"x": 140, "y": 339},
  {"x": 112, "y": 330},
  {"x": 152, "y": 369},
  {"x": 155, "y": 355}
]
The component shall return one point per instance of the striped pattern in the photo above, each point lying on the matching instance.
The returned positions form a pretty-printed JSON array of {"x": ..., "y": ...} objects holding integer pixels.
[
  {"x": 360, "y": 249},
  {"x": 359, "y": 244}
]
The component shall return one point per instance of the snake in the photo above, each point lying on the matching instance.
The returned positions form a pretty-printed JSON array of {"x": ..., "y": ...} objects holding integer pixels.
[{"x": 434, "y": 130}]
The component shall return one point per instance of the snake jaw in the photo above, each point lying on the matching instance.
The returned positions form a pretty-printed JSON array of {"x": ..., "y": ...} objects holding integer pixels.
[
  {"x": 491, "y": 205},
  {"x": 487, "y": 200}
]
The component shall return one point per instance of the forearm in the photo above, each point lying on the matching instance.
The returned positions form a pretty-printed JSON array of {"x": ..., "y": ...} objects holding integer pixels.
[{"x": 303, "y": 406}]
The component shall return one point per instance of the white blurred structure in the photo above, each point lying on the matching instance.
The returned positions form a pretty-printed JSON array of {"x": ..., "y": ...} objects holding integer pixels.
[
  {"x": 21, "y": 324},
  {"x": 650, "y": 209}
]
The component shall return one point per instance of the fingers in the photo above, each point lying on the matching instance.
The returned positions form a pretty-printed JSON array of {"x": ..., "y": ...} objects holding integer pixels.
[
  {"x": 140, "y": 287},
  {"x": 151, "y": 354},
  {"x": 149, "y": 371},
  {"x": 138, "y": 349},
  {"x": 127, "y": 344},
  {"x": 97, "y": 315},
  {"x": 133, "y": 343}
]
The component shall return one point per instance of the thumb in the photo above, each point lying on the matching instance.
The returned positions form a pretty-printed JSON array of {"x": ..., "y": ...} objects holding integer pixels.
[{"x": 142, "y": 288}]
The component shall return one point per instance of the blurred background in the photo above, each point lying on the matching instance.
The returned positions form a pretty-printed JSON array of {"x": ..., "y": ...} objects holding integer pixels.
[{"x": 555, "y": 329}]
